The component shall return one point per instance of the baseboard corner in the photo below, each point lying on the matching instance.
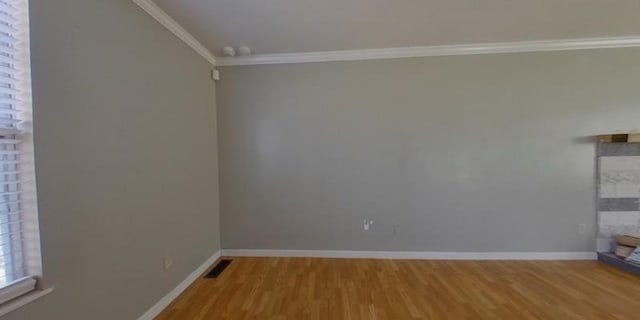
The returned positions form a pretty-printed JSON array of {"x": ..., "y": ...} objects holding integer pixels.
[{"x": 163, "y": 303}]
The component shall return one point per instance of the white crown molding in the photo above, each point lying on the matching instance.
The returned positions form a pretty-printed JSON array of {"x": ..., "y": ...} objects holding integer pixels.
[
  {"x": 385, "y": 53},
  {"x": 417, "y": 255},
  {"x": 431, "y": 51},
  {"x": 173, "y": 294},
  {"x": 157, "y": 13}
]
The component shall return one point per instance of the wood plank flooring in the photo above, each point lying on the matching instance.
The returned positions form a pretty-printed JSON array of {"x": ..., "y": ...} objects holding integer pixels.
[{"x": 309, "y": 288}]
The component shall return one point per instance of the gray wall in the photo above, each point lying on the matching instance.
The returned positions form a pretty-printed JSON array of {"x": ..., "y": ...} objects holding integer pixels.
[
  {"x": 463, "y": 153},
  {"x": 126, "y": 155}
]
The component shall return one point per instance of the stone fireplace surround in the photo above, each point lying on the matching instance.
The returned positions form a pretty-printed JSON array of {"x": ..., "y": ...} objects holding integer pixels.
[{"x": 618, "y": 187}]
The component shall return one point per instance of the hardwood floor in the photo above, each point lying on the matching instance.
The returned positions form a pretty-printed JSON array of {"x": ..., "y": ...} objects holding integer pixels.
[{"x": 305, "y": 288}]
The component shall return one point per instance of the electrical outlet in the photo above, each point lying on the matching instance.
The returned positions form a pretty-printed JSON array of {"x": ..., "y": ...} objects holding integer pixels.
[
  {"x": 167, "y": 262},
  {"x": 582, "y": 228},
  {"x": 215, "y": 75},
  {"x": 396, "y": 229},
  {"x": 367, "y": 223}
]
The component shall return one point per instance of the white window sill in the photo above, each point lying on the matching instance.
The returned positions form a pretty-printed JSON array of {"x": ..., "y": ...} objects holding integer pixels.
[{"x": 23, "y": 300}]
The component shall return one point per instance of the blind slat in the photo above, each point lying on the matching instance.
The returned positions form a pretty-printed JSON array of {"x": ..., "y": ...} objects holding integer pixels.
[
  {"x": 8, "y": 8},
  {"x": 7, "y": 18},
  {"x": 7, "y": 59},
  {"x": 8, "y": 29},
  {"x": 8, "y": 39},
  {"x": 15, "y": 260},
  {"x": 10, "y": 101},
  {"x": 6, "y": 69},
  {"x": 7, "y": 51},
  {"x": 9, "y": 121},
  {"x": 9, "y": 90}
]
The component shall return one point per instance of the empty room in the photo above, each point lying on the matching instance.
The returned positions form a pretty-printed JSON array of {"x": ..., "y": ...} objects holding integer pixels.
[{"x": 299, "y": 159}]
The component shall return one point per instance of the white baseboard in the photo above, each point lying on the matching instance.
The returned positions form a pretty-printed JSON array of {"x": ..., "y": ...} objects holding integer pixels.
[
  {"x": 173, "y": 294},
  {"x": 418, "y": 255}
]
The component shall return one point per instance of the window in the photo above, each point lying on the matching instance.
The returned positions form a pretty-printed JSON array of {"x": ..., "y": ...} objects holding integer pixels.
[{"x": 20, "y": 261}]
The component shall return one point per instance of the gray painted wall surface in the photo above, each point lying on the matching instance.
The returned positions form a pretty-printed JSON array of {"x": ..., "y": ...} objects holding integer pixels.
[
  {"x": 127, "y": 160},
  {"x": 464, "y": 153}
]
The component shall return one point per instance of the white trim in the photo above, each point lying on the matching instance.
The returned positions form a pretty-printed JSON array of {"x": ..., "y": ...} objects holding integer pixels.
[
  {"x": 31, "y": 243},
  {"x": 156, "y": 12},
  {"x": 418, "y": 255},
  {"x": 430, "y": 51},
  {"x": 385, "y": 53},
  {"x": 24, "y": 300},
  {"x": 173, "y": 294},
  {"x": 17, "y": 288}
]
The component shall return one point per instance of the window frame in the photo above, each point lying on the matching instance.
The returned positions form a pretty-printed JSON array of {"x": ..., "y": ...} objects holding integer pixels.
[{"x": 28, "y": 287}]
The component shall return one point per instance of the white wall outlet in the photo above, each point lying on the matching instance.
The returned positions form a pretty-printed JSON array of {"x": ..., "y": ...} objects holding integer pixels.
[
  {"x": 582, "y": 228},
  {"x": 167, "y": 261},
  {"x": 367, "y": 223}
]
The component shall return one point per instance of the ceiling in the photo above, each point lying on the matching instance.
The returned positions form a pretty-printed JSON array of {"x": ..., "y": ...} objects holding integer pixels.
[{"x": 288, "y": 26}]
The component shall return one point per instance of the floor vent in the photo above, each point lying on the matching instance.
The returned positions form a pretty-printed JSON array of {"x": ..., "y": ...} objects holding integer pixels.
[{"x": 217, "y": 270}]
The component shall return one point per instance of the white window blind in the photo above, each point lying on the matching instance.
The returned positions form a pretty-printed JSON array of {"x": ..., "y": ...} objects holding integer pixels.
[{"x": 20, "y": 264}]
